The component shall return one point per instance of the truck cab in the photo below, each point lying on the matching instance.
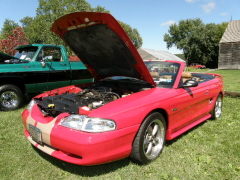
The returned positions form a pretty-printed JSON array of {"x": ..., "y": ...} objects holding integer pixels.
[{"x": 36, "y": 68}]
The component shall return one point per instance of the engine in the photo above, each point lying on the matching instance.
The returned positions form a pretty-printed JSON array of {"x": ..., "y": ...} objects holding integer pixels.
[{"x": 90, "y": 98}]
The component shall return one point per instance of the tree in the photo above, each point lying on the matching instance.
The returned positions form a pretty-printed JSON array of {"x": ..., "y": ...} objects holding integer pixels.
[
  {"x": 133, "y": 34},
  {"x": 16, "y": 39},
  {"x": 38, "y": 28},
  {"x": 199, "y": 41},
  {"x": 8, "y": 27},
  {"x": 100, "y": 9},
  {"x": 26, "y": 21}
]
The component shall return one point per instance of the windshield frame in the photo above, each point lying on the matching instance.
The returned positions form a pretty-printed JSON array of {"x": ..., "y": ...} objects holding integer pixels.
[
  {"x": 26, "y": 53},
  {"x": 164, "y": 73}
]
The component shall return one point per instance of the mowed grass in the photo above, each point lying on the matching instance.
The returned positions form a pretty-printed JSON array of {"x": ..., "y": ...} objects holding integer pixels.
[
  {"x": 231, "y": 78},
  {"x": 209, "y": 151}
]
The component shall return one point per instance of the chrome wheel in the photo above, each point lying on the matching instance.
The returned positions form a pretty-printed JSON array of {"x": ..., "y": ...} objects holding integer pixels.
[
  {"x": 150, "y": 139},
  {"x": 9, "y": 99},
  {"x": 218, "y": 107},
  {"x": 217, "y": 110},
  {"x": 154, "y": 139}
]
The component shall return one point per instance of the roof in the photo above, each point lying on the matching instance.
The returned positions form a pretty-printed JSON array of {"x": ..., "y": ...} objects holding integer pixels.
[
  {"x": 232, "y": 32},
  {"x": 151, "y": 54}
]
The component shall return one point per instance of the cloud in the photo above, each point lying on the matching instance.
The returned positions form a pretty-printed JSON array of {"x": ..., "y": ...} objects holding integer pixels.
[
  {"x": 208, "y": 7},
  {"x": 168, "y": 23},
  {"x": 224, "y": 14}
]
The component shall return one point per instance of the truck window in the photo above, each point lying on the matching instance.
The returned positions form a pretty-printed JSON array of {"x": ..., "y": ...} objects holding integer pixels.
[
  {"x": 26, "y": 53},
  {"x": 50, "y": 54}
]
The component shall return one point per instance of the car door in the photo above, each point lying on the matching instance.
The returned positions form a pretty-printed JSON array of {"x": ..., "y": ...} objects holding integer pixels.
[{"x": 189, "y": 105}]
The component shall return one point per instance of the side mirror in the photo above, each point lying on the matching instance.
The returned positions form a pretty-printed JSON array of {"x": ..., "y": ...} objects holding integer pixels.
[
  {"x": 190, "y": 83},
  {"x": 43, "y": 64}
]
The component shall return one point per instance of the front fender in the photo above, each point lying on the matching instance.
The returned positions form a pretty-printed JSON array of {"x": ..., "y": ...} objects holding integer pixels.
[{"x": 132, "y": 110}]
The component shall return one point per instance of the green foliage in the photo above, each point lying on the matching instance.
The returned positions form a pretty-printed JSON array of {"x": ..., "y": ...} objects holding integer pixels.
[
  {"x": 100, "y": 9},
  {"x": 180, "y": 56},
  {"x": 199, "y": 41},
  {"x": 133, "y": 34},
  {"x": 8, "y": 27},
  {"x": 38, "y": 28}
]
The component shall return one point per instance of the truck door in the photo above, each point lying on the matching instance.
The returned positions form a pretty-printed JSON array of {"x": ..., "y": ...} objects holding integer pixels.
[
  {"x": 59, "y": 72},
  {"x": 41, "y": 73}
]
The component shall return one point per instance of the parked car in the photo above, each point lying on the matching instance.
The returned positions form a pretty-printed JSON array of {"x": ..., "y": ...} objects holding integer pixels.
[
  {"x": 198, "y": 66},
  {"x": 36, "y": 68},
  {"x": 132, "y": 107}
]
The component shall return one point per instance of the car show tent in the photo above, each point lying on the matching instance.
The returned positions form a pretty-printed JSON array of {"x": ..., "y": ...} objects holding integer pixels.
[{"x": 151, "y": 54}]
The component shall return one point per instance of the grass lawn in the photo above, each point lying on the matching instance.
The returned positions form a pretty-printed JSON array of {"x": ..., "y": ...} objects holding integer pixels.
[
  {"x": 209, "y": 151},
  {"x": 231, "y": 78}
]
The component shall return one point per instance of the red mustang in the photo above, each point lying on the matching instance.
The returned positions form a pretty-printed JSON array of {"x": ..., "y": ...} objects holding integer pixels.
[{"x": 131, "y": 108}]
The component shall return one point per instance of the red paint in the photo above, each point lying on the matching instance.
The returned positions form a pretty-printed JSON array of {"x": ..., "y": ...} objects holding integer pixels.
[{"x": 183, "y": 108}]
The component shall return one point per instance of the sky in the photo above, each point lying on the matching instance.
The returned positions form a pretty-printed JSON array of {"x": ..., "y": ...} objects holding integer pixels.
[{"x": 151, "y": 18}]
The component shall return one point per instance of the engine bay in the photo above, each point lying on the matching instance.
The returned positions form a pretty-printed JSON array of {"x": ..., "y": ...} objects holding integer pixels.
[{"x": 90, "y": 97}]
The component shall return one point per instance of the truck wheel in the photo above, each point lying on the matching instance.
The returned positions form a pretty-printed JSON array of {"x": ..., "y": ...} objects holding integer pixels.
[
  {"x": 11, "y": 97},
  {"x": 150, "y": 139},
  {"x": 217, "y": 110}
]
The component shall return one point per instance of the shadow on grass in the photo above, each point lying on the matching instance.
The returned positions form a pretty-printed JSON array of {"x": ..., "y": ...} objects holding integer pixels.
[
  {"x": 91, "y": 171},
  {"x": 85, "y": 171}
]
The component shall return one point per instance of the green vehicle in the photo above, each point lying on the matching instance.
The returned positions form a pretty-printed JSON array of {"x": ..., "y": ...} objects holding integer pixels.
[{"x": 36, "y": 68}]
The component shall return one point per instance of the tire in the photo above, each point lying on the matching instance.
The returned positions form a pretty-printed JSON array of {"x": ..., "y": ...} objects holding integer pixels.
[
  {"x": 11, "y": 97},
  {"x": 150, "y": 139},
  {"x": 217, "y": 110}
]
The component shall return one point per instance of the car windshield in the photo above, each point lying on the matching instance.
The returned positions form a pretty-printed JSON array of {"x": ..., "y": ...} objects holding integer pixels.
[
  {"x": 26, "y": 53},
  {"x": 163, "y": 73}
]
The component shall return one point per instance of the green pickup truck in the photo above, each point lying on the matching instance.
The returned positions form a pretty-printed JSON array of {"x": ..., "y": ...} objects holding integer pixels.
[{"x": 36, "y": 68}]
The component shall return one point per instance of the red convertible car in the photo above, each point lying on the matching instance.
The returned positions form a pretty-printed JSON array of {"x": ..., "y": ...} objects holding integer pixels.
[
  {"x": 132, "y": 107},
  {"x": 197, "y": 66}
]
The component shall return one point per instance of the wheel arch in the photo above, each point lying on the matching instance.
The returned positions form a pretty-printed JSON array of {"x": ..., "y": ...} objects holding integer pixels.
[
  {"x": 136, "y": 152},
  {"x": 16, "y": 81},
  {"x": 222, "y": 93},
  {"x": 161, "y": 111}
]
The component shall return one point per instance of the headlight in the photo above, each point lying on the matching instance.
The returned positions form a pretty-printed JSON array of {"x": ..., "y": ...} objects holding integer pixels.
[
  {"x": 31, "y": 104},
  {"x": 84, "y": 123}
]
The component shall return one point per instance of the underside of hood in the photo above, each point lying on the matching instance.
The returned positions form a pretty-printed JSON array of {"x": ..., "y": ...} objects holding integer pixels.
[
  {"x": 102, "y": 45},
  {"x": 108, "y": 56}
]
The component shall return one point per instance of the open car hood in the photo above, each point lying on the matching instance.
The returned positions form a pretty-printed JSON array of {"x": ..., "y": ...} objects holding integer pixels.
[
  {"x": 4, "y": 57},
  {"x": 102, "y": 45}
]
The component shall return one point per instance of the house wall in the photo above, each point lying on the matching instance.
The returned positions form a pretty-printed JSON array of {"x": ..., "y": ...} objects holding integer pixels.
[{"x": 229, "y": 56}]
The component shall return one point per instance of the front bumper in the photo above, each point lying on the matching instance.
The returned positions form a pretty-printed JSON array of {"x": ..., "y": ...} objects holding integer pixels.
[{"x": 78, "y": 147}]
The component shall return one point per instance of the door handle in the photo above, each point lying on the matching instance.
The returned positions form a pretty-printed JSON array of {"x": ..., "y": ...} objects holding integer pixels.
[{"x": 63, "y": 64}]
